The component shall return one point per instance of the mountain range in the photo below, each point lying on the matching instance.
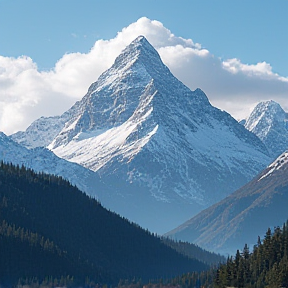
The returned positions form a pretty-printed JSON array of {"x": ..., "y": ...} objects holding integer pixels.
[
  {"x": 243, "y": 215},
  {"x": 153, "y": 144}
]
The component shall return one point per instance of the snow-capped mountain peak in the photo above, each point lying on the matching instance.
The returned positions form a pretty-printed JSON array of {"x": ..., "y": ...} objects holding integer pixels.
[
  {"x": 267, "y": 111},
  {"x": 269, "y": 122},
  {"x": 139, "y": 49},
  {"x": 137, "y": 75}
]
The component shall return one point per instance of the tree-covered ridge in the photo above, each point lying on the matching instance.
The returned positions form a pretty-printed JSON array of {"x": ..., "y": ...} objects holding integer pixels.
[
  {"x": 266, "y": 266},
  {"x": 194, "y": 251},
  {"x": 83, "y": 236},
  {"x": 33, "y": 239}
]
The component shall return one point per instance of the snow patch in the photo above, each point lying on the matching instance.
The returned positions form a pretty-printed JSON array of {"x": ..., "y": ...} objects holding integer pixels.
[{"x": 277, "y": 164}]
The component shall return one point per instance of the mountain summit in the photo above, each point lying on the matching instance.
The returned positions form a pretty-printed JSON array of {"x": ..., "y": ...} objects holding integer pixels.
[
  {"x": 270, "y": 123},
  {"x": 160, "y": 146},
  {"x": 127, "y": 90}
]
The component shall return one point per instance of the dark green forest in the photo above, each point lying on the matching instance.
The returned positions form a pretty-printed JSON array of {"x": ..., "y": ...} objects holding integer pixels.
[
  {"x": 51, "y": 230},
  {"x": 266, "y": 266}
]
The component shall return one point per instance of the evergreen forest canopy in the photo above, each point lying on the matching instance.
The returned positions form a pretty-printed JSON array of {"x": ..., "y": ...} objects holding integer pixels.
[
  {"x": 52, "y": 232},
  {"x": 266, "y": 266}
]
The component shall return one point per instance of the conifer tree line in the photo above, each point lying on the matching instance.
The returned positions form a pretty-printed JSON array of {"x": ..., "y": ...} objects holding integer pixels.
[{"x": 265, "y": 266}]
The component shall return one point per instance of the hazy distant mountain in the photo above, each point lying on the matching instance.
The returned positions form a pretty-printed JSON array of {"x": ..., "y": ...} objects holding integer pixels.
[
  {"x": 242, "y": 216},
  {"x": 270, "y": 123},
  {"x": 158, "y": 145}
]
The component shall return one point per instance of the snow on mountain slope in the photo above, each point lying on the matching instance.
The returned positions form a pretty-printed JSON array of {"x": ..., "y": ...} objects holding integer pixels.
[
  {"x": 281, "y": 161},
  {"x": 42, "y": 160},
  {"x": 155, "y": 142},
  {"x": 41, "y": 132},
  {"x": 270, "y": 123}
]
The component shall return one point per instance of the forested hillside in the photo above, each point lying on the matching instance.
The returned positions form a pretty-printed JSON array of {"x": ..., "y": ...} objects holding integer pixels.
[
  {"x": 50, "y": 228},
  {"x": 194, "y": 251}
]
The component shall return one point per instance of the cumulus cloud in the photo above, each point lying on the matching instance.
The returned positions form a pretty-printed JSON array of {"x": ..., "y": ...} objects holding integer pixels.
[{"x": 26, "y": 93}]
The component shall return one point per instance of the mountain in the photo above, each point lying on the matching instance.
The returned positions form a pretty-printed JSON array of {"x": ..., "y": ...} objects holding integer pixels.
[
  {"x": 43, "y": 160},
  {"x": 243, "y": 215},
  {"x": 158, "y": 145},
  {"x": 270, "y": 123},
  {"x": 41, "y": 132},
  {"x": 50, "y": 228}
]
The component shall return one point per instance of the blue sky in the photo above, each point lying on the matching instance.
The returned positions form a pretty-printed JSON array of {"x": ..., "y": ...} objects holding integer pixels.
[
  {"x": 44, "y": 31},
  {"x": 252, "y": 31}
]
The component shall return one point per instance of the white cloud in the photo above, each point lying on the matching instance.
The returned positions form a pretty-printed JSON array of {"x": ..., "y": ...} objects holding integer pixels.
[
  {"x": 26, "y": 94},
  {"x": 261, "y": 69}
]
